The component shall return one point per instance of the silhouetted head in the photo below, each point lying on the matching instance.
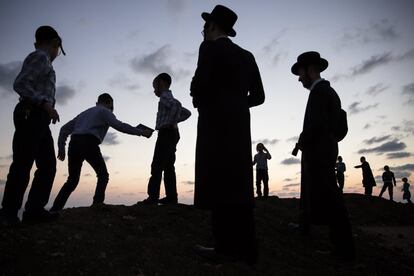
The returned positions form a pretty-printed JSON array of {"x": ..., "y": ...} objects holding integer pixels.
[
  {"x": 162, "y": 82},
  {"x": 404, "y": 179},
  {"x": 362, "y": 159},
  {"x": 219, "y": 22},
  {"x": 340, "y": 158},
  {"x": 48, "y": 40},
  {"x": 259, "y": 147},
  {"x": 106, "y": 100},
  {"x": 308, "y": 67},
  {"x": 386, "y": 168}
]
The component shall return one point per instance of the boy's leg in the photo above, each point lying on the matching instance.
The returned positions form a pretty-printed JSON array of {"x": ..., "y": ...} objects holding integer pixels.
[
  {"x": 154, "y": 183},
  {"x": 266, "y": 184},
  {"x": 95, "y": 159},
  {"x": 258, "y": 183},
  {"x": 384, "y": 187},
  {"x": 75, "y": 160},
  {"x": 390, "y": 191},
  {"x": 44, "y": 175},
  {"x": 170, "y": 181},
  {"x": 24, "y": 144}
]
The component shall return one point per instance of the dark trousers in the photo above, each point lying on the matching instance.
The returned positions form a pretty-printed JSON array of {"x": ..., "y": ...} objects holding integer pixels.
[
  {"x": 234, "y": 232},
  {"x": 340, "y": 177},
  {"x": 262, "y": 175},
  {"x": 163, "y": 161},
  {"x": 390, "y": 189},
  {"x": 83, "y": 147},
  {"x": 368, "y": 190},
  {"x": 32, "y": 142}
]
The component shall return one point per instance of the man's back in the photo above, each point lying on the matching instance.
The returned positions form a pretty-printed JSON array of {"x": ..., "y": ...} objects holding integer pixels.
[{"x": 226, "y": 72}]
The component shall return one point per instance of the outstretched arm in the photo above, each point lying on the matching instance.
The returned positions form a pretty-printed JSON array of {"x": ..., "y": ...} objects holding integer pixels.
[{"x": 124, "y": 127}]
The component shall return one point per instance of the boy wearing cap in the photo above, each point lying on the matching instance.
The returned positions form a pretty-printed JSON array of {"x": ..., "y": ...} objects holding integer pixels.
[{"x": 32, "y": 141}]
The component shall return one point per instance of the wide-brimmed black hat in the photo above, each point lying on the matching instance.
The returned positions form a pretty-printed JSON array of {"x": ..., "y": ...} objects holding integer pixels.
[
  {"x": 46, "y": 33},
  {"x": 224, "y": 17},
  {"x": 309, "y": 58}
]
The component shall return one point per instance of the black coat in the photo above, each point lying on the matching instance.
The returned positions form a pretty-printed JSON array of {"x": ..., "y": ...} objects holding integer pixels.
[
  {"x": 320, "y": 196},
  {"x": 225, "y": 85}
]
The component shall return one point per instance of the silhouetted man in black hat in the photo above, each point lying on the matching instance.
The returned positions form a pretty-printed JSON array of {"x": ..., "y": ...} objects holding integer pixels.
[
  {"x": 225, "y": 85},
  {"x": 321, "y": 200}
]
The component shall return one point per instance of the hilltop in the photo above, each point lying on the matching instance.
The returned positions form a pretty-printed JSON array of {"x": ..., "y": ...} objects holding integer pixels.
[{"x": 158, "y": 240}]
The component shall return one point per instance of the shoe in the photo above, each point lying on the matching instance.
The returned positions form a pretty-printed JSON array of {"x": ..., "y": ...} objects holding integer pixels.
[
  {"x": 41, "y": 216},
  {"x": 148, "y": 201},
  {"x": 167, "y": 200}
]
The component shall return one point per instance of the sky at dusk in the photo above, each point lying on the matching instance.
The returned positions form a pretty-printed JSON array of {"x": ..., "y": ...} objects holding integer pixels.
[{"x": 120, "y": 46}]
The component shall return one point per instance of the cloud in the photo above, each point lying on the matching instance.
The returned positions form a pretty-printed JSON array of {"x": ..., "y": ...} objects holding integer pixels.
[
  {"x": 373, "y": 62},
  {"x": 290, "y": 161},
  {"x": 370, "y": 64},
  {"x": 106, "y": 158},
  {"x": 293, "y": 139},
  {"x": 375, "y": 139},
  {"x": 64, "y": 93},
  {"x": 111, "y": 138},
  {"x": 158, "y": 62},
  {"x": 409, "y": 91},
  {"x": 87, "y": 175},
  {"x": 266, "y": 141},
  {"x": 367, "y": 126},
  {"x": 7, "y": 157},
  {"x": 398, "y": 155},
  {"x": 355, "y": 107},
  {"x": 121, "y": 80},
  {"x": 8, "y": 73},
  {"x": 391, "y": 146},
  {"x": 291, "y": 185},
  {"x": 188, "y": 182},
  {"x": 379, "y": 31},
  {"x": 407, "y": 127},
  {"x": 271, "y": 51},
  {"x": 2, "y": 182},
  {"x": 289, "y": 179},
  {"x": 376, "y": 89},
  {"x": 403, "y": 170}
]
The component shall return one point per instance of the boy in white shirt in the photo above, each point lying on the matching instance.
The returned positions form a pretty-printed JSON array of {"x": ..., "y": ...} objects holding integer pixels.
[
  {"x": 88, "y": 130},
  {"x": 261, "y": 170}
]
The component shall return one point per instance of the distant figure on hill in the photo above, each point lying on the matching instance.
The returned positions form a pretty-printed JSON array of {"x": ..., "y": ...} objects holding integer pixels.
[
  {"x": 32, "y": 140},
  {"x": 340, "y": 168},
  {"x": 321, "y": 200},
  {"x": 406, "y": 190},
  {"x": 88, "y": 130},
  {"x": 389, "y": 180},
  {"x": 368, "y": 180},
  {"x": 260, "y": 160},
  {"x": 170, "y": 113},
  {"x": 225, "y": 85}
]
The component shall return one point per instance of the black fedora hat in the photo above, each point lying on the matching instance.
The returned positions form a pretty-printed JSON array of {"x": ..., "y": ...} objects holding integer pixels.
[
  {"x": 309, "y": 58},
  {"x": 224, "y": 17}
]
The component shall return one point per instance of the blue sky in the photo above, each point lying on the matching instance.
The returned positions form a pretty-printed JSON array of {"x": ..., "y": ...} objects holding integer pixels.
[{"x": 119, "y": 46}]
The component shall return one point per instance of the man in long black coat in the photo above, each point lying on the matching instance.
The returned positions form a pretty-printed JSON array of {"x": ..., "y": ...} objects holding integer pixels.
[
  {"x": 226, "y": 84},
  {"x": 321, "y": 200}
]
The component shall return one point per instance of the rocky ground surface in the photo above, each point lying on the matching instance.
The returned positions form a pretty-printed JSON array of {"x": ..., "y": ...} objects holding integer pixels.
[{"x": 158, "y": 240}]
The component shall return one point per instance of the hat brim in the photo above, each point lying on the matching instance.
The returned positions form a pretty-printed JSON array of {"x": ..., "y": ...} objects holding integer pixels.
[
  {"x": 323, "y": 64},
  {"x": 207, "y": 17}
]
